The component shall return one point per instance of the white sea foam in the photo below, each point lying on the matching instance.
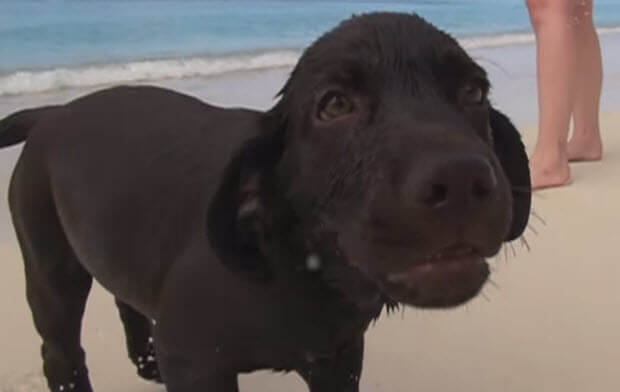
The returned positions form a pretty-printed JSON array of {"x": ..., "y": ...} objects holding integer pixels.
[
  {"x": 27, "y": 82},
  {"x": 24, "y": 82},
  {"x": 498, "y": 40}
]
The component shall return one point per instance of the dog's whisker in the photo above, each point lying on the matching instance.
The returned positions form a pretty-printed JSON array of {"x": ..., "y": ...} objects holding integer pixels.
[
  {"x": 498, "y": 256},
  {"x": 535, "y": 215},
  {"x": 532, "y": 229},
  {"x": 493, "y": 283},
  {"x": 525, "y": 243},
  {"x": 514, "y": 252},
  {"x": 485, "y": 296},
  {"x": 496, "y": 65}
]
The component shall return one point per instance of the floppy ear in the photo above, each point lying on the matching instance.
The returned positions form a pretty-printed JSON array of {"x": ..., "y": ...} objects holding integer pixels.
[
  {"x": 511, "y": 153},
  {"x": 238, "y": 217}
]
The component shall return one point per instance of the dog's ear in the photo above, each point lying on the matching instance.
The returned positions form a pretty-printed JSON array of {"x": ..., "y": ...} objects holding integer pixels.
[
  {"x": 239, "y": 217},
  {"x": 511, "y": 153}
]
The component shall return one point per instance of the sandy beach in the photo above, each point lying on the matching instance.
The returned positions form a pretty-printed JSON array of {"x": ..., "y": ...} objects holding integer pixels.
[{"x": 549, "y": 323}]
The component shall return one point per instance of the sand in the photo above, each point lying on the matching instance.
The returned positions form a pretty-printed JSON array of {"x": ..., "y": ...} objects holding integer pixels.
[{"x": 551, "y": 321}]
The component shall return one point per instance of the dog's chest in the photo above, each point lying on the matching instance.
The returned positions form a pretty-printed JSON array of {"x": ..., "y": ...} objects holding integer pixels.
[{"x": 308, "y": 329}]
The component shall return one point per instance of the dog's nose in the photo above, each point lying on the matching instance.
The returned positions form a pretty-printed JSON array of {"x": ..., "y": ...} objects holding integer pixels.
[{"x": 456, "y": 182}]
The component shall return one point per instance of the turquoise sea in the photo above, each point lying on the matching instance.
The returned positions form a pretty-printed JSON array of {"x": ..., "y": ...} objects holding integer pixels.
[{"x": 49, "y": 44}]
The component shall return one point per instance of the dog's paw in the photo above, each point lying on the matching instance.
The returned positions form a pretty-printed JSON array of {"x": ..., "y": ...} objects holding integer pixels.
[
  {"x": 148, "y": 369},
  {"x": 147, "y": 364},
  {"x": 78, "y": 382}
]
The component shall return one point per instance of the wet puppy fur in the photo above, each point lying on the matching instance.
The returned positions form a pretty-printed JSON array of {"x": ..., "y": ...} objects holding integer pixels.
[
  {"x": 389, "y": 155},
  {"x": 382, "y": 176}
]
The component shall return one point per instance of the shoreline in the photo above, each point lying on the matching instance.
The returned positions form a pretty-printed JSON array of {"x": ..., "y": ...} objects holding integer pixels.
[
  {"x": 161, "y": 69},
  {"x": 511, "y": 70}
]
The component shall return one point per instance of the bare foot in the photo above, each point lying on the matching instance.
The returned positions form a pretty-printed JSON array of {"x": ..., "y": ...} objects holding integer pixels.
[
  {"x": 549, "y": 173},
  {"x": 580, "y": 150}
]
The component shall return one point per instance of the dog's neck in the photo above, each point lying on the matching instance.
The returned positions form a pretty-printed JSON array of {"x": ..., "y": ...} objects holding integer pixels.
[{"x": 319, "y": 264}]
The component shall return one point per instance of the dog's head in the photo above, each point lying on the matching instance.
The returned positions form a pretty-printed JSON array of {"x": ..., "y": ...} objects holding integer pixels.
[{"x": 385, "y": 155}]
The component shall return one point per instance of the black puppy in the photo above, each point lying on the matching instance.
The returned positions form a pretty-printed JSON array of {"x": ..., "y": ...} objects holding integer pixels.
[{"x": 268, "y": 240}]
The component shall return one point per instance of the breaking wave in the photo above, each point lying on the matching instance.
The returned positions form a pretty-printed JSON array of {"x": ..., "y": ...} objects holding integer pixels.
[
  {"x": 490, "y": 41},
  {"x": 24, "y": 82},
  {"x": 36, "y": 81}
]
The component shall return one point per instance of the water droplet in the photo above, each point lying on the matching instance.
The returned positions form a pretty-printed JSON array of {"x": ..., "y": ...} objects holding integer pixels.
[{"x": 313, "y": 263}]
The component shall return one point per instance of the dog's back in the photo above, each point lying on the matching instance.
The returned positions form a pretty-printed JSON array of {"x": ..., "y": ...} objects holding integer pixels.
[{"x": 125, "y": 175}]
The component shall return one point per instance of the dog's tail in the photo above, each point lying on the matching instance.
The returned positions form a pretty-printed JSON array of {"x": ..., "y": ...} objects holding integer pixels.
[{"x": 15, "y": 127}]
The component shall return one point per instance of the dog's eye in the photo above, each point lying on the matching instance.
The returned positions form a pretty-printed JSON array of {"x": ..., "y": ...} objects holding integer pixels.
[
  {"x": 472, "y": 94},
  {"x": 334, "y": 105}
]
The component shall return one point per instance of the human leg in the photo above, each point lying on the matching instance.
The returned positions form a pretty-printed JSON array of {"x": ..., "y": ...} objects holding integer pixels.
[
  {"x": 585, "y": 143},
  {"x": 556, "y": 42}
]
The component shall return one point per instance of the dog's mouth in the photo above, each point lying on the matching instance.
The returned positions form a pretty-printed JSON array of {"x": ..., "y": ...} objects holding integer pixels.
[
  {"x": 447, "y": 277},
  {"x": 445, "y": 258}
]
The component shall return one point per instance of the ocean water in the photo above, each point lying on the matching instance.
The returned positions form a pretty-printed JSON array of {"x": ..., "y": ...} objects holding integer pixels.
[{"x": 50, "y": 44}]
